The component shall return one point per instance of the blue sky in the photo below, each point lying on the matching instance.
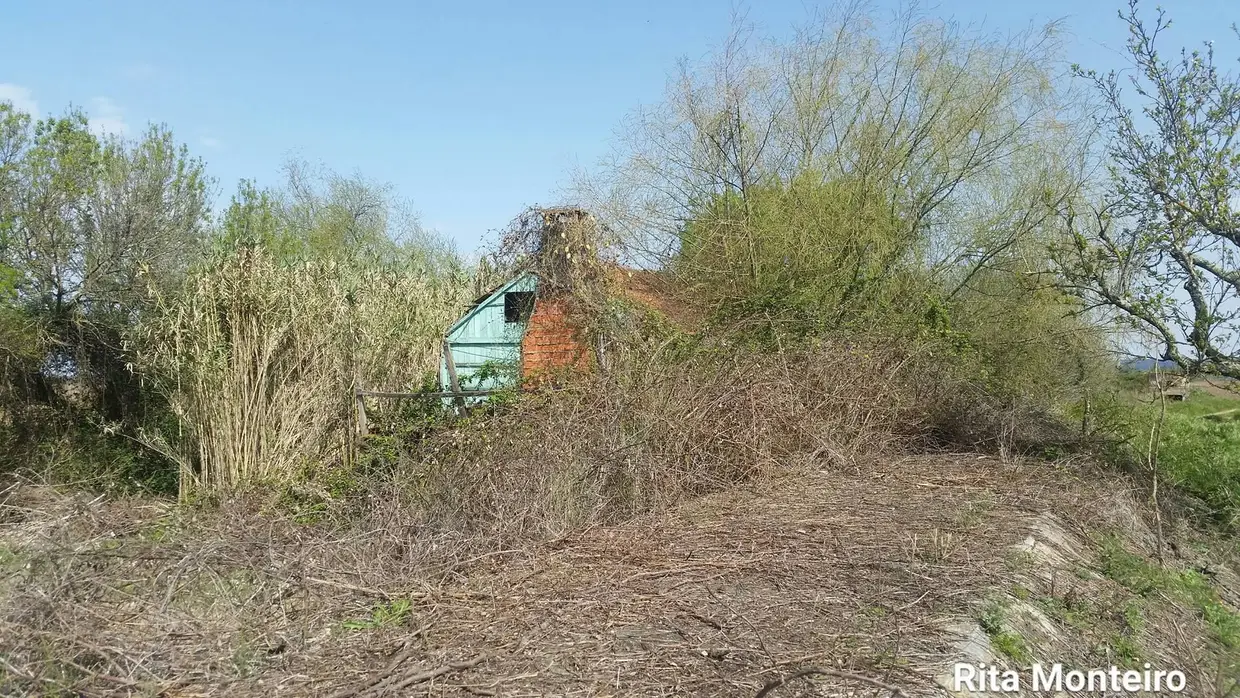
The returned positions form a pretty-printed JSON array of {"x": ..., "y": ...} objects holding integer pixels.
[{"x": 472, "y": 111}]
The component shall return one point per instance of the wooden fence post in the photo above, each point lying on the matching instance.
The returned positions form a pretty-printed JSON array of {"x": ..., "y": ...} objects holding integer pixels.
[
  {"x": 454, "y": 383},
  {"x": 363, "y": 425}
]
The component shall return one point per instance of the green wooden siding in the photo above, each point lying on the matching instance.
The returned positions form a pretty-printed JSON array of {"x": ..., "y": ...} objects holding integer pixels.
[{"x": 483, "y": 336}]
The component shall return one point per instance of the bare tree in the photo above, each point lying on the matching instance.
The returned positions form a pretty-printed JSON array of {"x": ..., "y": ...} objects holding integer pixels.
[{"x": 1159, "y": 249}]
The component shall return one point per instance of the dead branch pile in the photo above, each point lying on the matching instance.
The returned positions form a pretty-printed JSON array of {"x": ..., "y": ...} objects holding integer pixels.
[
  {"x": 654, "y": 431},
  {"x": 563, "y": 246},
  {"x": 566, "y": 249},
  {"x": 852, "y": 573}
]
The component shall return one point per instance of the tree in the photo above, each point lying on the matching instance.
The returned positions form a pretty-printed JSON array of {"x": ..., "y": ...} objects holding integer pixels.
[
  {"x": 811, "y": 254},
  {"x": 319, "y": 214},
  {"x": 18, "y": 340},
  {"x": 87, "y": 218},
  {"x": 147, "y": 218},
  {"x": 253, "y": 219},
  {"x": 962, "y": 136},
  {"x": 1158, "y": 251},
  {"x": 85, "y": 225},
  {"x": 900, "y": 178}
]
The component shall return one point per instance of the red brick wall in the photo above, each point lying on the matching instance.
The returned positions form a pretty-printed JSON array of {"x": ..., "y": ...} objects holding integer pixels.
[{"x": 550, "y": 343}]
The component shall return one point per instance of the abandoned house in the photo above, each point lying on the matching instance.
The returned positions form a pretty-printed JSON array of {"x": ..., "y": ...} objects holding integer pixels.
[
  {"x": 523, "y": 329},
  {"x": 507, "y": 333}
]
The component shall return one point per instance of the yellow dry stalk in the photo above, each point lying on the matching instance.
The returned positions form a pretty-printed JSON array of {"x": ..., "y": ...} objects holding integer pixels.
[{"x": 260, "y": 358}]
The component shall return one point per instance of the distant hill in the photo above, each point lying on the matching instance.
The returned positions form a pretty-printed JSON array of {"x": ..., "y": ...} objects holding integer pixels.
[{"x": 1148, "y": 365}]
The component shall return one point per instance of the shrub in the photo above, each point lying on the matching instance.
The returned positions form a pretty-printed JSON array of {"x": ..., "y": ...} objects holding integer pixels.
[
  {"x": 1203, "y": 458},
  {"x": 670, "y": 419},
  {"x": 819, "y": 257},
  {"x": 259, "y": 358},
  {"x": 810, "y": 256}
]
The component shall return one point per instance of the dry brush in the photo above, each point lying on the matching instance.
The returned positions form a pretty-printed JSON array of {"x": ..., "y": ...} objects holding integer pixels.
[{"x": 258, "y": 358}]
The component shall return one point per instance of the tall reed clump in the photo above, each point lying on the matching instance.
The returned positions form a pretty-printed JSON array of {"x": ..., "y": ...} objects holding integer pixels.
[{"x": 258, "y": 358}]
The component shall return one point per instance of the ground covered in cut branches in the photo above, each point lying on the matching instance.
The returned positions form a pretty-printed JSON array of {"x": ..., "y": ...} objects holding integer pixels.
[{"x": 883, "y": 575}]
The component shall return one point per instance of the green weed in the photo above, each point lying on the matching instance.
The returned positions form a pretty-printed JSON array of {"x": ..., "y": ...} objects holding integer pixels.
[
  {"x": 1004, "y": 640},
  {"x": 387, "y": 615},
  {"x": 1202, "y": 457},
  {"x": 1125, "y": 649},
  {"x": 1186, "y": 586},
  {"x": 10, "y": 560},
  {"x": 974, "y": 512},
  {"x": 1071, "y": 611},
  {"x": 1196, "y": 455},
  {"x": 1020, "y": 560},
  {"x": 875, "y": 612}
]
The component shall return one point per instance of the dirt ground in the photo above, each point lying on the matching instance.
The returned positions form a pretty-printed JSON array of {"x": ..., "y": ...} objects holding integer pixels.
[
  {"x": 875, "y": 577},
  {"x": 1218, "y": 387}
]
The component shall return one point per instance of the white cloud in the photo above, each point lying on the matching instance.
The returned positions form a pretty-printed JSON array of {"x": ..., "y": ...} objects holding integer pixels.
[
  {"x": 21, "y": 97},
  {"x": 210, "y": 142},
  {"x": 107, "y": 118}
]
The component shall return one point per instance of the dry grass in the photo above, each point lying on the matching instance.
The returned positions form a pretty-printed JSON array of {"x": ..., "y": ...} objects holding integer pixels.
[
  {"x": 104, "y": 595},
  {"x": 717, "y": 597},
  {"x": 653, "y": 432},
  {"x": 703, "y": 531}
]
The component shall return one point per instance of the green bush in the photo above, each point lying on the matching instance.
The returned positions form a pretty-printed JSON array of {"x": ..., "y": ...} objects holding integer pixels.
[
  {"x": 68, "y": 449},
  {"x": 1203, "y": 458},
  {"x": 808, "y": 256},
  {"x": 815, "y": 257},
  {"x": 1197, "y": 456}
]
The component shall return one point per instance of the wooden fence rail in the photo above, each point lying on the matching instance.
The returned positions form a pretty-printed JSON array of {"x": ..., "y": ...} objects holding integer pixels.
[
  {"x": 458, "y": 396},
  {"x": 359, "y": 398},
  {"x": 438, "y": 394}
]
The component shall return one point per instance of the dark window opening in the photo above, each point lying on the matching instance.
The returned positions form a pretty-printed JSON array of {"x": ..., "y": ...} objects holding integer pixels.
[{"x": 518, "y": 306}]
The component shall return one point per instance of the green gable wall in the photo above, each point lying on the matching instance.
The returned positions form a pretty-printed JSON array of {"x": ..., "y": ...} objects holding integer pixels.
[{"x": 482, "y": 336}]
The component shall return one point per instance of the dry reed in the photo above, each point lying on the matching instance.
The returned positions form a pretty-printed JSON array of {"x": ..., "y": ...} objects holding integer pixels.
[{"x": 259, "y": 358}]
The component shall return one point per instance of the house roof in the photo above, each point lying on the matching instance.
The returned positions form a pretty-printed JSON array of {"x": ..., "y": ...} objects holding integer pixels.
[
  {"x": 652, "y": 289},
  {"x": 482, "y": 301},
  {"x": 658, "y": 291}
]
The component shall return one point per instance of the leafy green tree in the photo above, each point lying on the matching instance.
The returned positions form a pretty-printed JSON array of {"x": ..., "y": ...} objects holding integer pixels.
[
  {"x": 87, "y": 218},
  {"x": 148, "y": 216},
  {"x": 254, "y": 218},
  {"x": 17, "y": 339},
  {"x": 87, "y": 224},
  {"x": 1159, "y": 251},
  {"x": 56, "y": 176},
  {"x": 320, "y": 215},
  {"x": 812, "y": 254}
]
